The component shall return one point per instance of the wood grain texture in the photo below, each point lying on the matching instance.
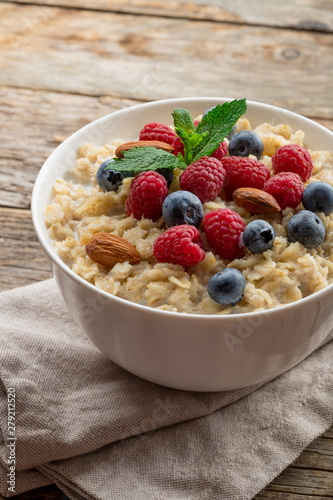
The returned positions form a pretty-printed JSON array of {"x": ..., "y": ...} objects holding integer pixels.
[
  {"x": 301, "y": 15},
  {"x": 93, "y": 53},
  {"x": 22, "y": 260},
  {"x": 33, "y": 123},
  {"x": 275, "y": 495},
  {"x": 32, "y": 126},
  {"x": 51, "y": 492}
]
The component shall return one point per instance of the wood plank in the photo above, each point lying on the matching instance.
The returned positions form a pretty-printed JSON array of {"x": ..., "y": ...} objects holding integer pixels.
[
  {"x": 304, "y": 15},
  {"x": 51, "y": 492},
  {"x": 96, "y": 53},
  {"x": 323, "y": 446},
  {"x": 329, "y": 433},
  {"x": 275, "y": 495},
  {"x": 32, "y": 125},
  {"x": 319, "y": 460},
  {"x": 22, "y": 260},
  {"x": 304, "y": 482}
]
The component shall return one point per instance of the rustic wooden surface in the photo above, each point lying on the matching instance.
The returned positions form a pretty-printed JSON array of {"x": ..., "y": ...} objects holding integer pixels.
[
  {"x": 304, "y": 15},
  {"x": 101, "y": 53},
  {"x": 64, "y": 63}
]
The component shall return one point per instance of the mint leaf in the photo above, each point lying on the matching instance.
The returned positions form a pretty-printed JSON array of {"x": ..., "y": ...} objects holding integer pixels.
[
  {"x": 183, "y": 122},
  {"x": 217, "y": 124},
  {"x": 190, "y": 143},
  {"x": 142, "y": 159}
]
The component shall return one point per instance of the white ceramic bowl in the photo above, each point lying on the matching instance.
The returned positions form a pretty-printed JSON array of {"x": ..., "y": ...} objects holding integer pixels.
[{"x": 183, "y": 351}]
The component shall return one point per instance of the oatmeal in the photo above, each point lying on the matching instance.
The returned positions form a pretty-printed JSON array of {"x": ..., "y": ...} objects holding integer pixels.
[{"x": 284, "y": 273}]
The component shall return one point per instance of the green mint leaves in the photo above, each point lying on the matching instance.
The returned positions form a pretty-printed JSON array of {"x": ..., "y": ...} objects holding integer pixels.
[
  {"x": 141, "y": 159},
  {"x": 198, "y": 141},
  {"x": 210, "y": 132},
  {"x": 183, "y": 122},
  {"x": 216, "y": 125},
  {"x": 185, "y": 129}
]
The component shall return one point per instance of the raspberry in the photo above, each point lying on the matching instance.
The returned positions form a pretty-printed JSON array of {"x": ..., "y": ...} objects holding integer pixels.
[
  {"x": 243, "y": 172},
  {"x": 223, "y": 229},
  {"x": 221, "y": 151},
  {"x": 154, "y": 131},
  {"x": 293, "y": 158},
  {"x": 178, "y": 145},
  {"x": 203, "y": 177},
  {"x": 147, "y": 192},
  {"x": 287, "y": 188},
  {"x": 179, "y": 245}
]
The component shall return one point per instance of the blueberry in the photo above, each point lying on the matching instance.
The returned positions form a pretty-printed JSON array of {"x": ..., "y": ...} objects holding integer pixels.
[
  {"x": 182, "y": 207},
  {"x": 245, "y": 143},
  {"x": 167, "y": 174},
  {"x": 318, "y": 197},
  {"x": 110, "y": 180},
  {"x": 306, "y": 228},
  {"x": 227, "y": 287},
  {"x": 258, "y": 236}
]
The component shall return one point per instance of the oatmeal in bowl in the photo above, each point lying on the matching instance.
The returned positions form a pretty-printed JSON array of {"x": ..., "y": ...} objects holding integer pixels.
[
  {"x": 233, "y": 207},
  {"x": 185, "y": 263}
]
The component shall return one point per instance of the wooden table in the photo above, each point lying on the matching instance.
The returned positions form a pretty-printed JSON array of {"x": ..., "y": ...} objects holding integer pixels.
[{"x": 64, "y": 63}]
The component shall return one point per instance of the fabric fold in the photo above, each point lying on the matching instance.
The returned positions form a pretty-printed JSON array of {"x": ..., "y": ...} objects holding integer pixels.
[{"x": 99, "y": 432}]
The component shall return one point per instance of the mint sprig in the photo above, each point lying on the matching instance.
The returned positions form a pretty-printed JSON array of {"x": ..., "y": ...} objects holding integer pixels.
[
  {"x": 210, "y": 132},
  {"x": 198, "y": 141},
  {"x": 216, "y": 125},
  {"x": 183, "y": 122},
  {"x": 141, "y": 159}
]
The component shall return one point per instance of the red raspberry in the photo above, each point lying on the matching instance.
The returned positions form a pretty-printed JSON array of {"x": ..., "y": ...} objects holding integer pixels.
[
  {"x": 147, "y": 192},
  {"x": 293, "y": 158},
  {"x": 223, "y": 229},
  {"x": 179, "y": 245},
  {"x": 179, "y": 146},
  {"x": 243, "y": 172},
  {"x": 154, "y": 131},
  {"x": 203, "y": 177},
  {"x": 287, "y": 188},
  {"x": 221, "y": 151}
]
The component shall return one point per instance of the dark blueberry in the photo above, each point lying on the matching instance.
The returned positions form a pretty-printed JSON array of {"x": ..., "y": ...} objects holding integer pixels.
[
  {"x": 182, "y": 207},
  {"x": 110, "y": 180},
  {"x": 227, "y": 286},
  {"x": 167, "y": 174},
  {"x": 245, "y": 143},
  {"x": 258, "y": 236},
  {"x": 306, "y": 228},
  {"x": 318, "y": 197}
]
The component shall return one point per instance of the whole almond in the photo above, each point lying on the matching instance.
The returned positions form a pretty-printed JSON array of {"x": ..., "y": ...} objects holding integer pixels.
[
  {"x": 109, "y": 249},
  {"x": 142, "y": 144},
  {"x": 256, "y": 201}
]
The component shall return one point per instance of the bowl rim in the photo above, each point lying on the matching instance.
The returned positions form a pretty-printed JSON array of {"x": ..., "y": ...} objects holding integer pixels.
[{"x": 56, "y": 259}]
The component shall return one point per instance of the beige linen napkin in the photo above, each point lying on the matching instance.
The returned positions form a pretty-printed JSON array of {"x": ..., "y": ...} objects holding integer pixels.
[{"x": 87, "y": 425}]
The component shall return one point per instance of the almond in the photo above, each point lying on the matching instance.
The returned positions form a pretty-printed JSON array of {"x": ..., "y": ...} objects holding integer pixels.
[
  {"x": 256, "y": 201},
  {"x": 141, "y": 144},
  {"x": 109, "y": 249}
]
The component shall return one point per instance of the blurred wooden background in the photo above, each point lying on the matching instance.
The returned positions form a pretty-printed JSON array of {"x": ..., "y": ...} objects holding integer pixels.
[{"x": 64, "y": 63}]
